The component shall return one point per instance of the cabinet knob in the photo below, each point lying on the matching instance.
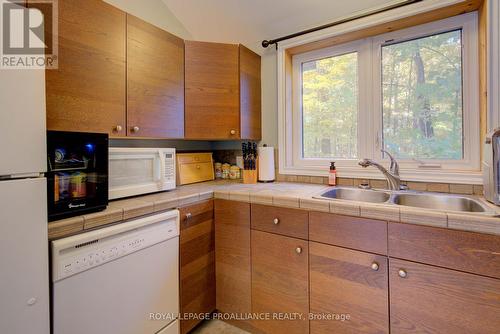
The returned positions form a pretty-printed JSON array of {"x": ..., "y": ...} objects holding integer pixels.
[
  {"x": 276, "y": 221},
  {"x": 233, "y": 132},
  {"x": 298, "y": 250},
  {"x": 198, "y": 166},
  {"x": 189, "y": 215},
  {"x": 375, "y": 266},
  {"x": 135, "y": 129},
  {"x": 402, "y": 273},
  {"x": 118, "y": 128}
]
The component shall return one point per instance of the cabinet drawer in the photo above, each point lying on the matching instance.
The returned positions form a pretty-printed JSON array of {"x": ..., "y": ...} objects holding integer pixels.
[
  {"x": 352, "y": 232},
  {"x": 466, "y": 251},
  {"x": 289, "y": 222}
]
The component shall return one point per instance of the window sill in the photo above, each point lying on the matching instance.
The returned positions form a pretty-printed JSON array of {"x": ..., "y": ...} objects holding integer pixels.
[{"x": 438, "y": 176}]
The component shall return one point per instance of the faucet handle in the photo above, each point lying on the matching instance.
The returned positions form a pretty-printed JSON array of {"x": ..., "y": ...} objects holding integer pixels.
[{"x": 394, "y": 168}]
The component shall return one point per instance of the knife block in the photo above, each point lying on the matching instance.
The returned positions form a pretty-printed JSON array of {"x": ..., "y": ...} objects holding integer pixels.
[{"x": 249, "y": 176}]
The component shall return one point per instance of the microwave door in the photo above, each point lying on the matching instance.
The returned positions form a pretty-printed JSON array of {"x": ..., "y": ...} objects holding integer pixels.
[{"x": 134, "y": 173}]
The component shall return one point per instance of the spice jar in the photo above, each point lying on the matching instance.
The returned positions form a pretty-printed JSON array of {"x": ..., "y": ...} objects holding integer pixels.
[
  {"x": 234, "y": 173},
  {"x": 225, "y": 171},
  {"x": 218, "y": 170}
]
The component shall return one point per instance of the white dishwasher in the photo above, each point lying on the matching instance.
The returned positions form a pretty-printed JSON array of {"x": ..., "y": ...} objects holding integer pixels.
[{"x": 122, "y": 279}]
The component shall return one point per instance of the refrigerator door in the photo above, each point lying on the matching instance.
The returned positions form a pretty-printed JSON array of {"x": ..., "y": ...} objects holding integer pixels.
[
  {"x": 24, "y": 273},
  {"x": 22, "y": 122}
]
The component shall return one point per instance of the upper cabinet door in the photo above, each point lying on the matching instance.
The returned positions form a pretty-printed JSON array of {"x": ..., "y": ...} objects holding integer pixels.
[
  {"x": 87, "y": 92},
  {"x": 250, "y": 94},
  {"x": 212, "y": 91},
  {"x": 155, "y": 81}
]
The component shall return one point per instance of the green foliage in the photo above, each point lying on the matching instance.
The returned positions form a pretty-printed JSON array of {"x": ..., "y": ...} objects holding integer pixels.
[
  {"x": 421, "y": 101},
  {"x": 330, "y": 107}
]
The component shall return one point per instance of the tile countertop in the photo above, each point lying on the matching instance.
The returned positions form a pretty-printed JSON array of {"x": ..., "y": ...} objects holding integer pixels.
[{"x": 285, "y": 194}]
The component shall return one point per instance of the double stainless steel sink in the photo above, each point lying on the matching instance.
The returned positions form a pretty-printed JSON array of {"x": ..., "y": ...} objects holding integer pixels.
[{"x": 425, "y": 200}]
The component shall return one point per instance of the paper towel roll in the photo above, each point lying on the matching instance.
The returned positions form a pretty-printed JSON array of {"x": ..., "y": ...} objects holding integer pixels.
[{"x": 266, "y": 164}]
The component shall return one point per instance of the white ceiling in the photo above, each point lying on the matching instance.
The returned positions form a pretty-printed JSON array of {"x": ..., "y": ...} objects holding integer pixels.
[{"x": 250, "y": 21}]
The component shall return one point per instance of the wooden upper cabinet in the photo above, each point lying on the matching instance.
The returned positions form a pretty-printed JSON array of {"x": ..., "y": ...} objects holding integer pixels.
[
  {"x": 427, "y": 299},
  {"x": 250, "y": 95},
  {"x": 87, "y": 91},
  {"x": 216, "y": 76},
  {"x": 155, "y": 81}
]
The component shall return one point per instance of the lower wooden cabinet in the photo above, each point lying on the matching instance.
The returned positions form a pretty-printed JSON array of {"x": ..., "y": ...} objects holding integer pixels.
[
  {"x": 280, "y": 283},
  {"x": 197, "y": 261},
  {"x": 349, "y": 287},
  {"x": 232, "y": 249},
  {"x": 428, "y": 299}
]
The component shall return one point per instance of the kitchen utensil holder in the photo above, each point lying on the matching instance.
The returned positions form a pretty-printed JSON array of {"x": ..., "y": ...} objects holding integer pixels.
[{"x": 250, "y": 176}]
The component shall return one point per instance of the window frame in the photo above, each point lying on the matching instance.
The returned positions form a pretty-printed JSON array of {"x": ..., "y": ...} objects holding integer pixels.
[{"x": 370, "y": 108}]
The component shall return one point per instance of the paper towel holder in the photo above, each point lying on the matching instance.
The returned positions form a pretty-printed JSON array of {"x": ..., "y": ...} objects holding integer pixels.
[{"x": 266, "y": 165}]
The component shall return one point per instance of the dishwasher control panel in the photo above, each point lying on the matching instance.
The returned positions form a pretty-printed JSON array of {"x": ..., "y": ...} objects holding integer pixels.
[{"x": 70, "y": 256}]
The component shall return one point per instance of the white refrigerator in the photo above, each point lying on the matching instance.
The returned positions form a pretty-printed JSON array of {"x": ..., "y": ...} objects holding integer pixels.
[{"x": 24, "y": 271}]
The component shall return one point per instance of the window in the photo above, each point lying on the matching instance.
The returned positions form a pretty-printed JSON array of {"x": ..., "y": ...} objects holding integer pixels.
[
  {"x": 422, "y": 97},
  {"x": 412, "y": 92},
  {"x": 330, "y": 107}
]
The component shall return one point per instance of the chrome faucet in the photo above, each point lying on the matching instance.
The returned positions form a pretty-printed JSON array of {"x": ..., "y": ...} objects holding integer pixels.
[{"x": 392, "y": 176}]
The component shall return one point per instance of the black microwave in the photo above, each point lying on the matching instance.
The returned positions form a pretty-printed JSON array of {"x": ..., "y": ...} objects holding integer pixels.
[{"x": 77, "y": 173}]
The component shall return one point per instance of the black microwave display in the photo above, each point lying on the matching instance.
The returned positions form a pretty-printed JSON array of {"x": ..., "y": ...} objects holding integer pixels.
[{"x": 77, "y": 177}]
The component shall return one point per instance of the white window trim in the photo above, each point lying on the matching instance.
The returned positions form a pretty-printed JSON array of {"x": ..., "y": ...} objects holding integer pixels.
[
  {"x": 493, "y": 64},
  {"x": 467, "y": 171}
]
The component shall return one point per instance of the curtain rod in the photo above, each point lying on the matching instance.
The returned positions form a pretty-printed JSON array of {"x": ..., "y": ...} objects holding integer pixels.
[{"x": 266, "y": 43}]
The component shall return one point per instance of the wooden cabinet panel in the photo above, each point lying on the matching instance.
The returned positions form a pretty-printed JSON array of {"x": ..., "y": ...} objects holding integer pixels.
[
  {"x": 352, "y": 232},
  {"x": 343, "y": 282},
  {"x": 232, "y": 252},
  {"x": 438, "y": 300},
  {"x": 212, "y": 91},
  {"x": 155, "y": 81},
  {"x": 466, "y": 251},
  {"x": 284, "y": 221},
  {"x": 197, "y": 261},
  {"x": 87, "y": 91},
  {"x": 280, "y": 282},
  {"x": 250, "y": 94}
]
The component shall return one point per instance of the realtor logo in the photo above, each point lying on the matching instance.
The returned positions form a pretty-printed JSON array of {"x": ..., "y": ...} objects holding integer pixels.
[{"x": 29, "y": 34}]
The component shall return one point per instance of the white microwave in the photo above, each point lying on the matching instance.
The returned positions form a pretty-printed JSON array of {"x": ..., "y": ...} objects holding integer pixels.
[{"x": 136, "y": 171}]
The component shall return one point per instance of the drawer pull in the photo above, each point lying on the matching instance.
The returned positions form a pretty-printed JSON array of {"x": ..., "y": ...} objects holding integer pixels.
[
  {"x": 118, "y": 128},
  {"x": 298, "y": 250},
  {"x": 135, "y": 129},
  {"x": 402, "y": 273},
  {"x": 276, "y": 221},
  {"x": 198, "y": 166},
  {"x": 189, "y": 215},
  {"x": 375, "y": 266}
]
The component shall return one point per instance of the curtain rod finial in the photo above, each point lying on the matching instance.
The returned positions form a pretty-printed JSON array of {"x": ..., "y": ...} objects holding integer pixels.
[{"x": 265, "y": 43}]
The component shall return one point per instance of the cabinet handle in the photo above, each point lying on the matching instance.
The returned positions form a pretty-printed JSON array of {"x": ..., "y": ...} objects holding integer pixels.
[
  {"x": 233, "y": 132},
  {"x": 402, "y": 273},
  {"x": 189, "y": 215},
  {"x": 135, "y": 129},
  {"x": 298, "y": 250},
  {"x": 375, "y": 266},
  {"x": 118, "y": 128},
  {"x": 276, "y": 221}
]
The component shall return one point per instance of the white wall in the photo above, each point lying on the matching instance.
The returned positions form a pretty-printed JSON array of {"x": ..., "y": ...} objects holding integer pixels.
[{"x": 154, "y": 12}]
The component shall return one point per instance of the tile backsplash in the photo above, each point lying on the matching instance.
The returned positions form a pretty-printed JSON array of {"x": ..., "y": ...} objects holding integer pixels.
[{"x": 229, "y": 156}]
